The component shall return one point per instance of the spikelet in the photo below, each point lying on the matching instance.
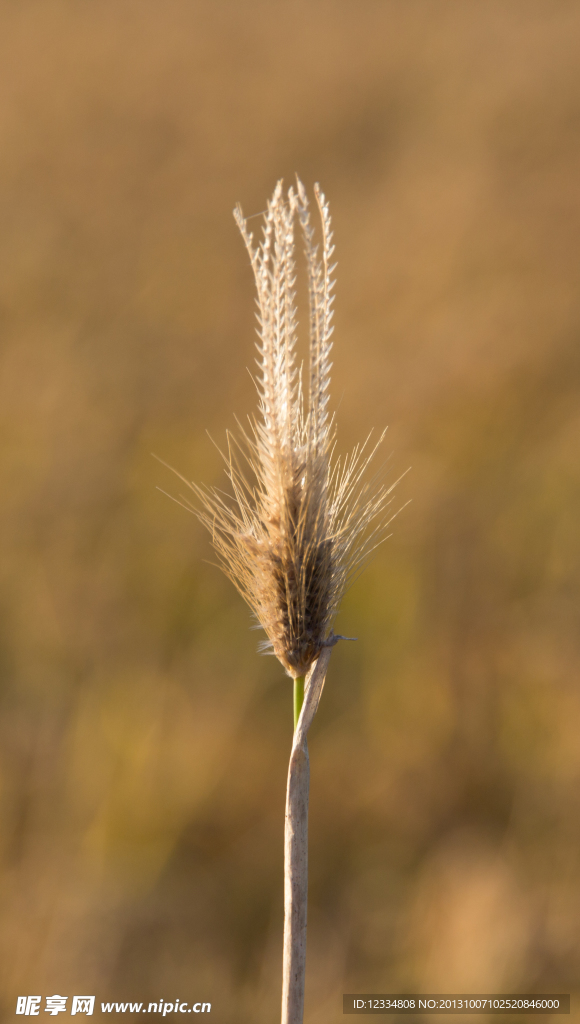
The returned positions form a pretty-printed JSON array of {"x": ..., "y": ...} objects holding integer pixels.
[{"x": 300, "y": 523}]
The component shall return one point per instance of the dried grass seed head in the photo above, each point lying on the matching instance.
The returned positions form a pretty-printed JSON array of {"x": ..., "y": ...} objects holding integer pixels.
[{"x": 300, "y": 522}]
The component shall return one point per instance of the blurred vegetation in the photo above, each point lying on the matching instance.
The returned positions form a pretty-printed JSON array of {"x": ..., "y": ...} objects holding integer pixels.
[{"x": 144, "y": 744}]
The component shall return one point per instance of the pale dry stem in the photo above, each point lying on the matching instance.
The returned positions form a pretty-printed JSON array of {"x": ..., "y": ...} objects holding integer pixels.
[{"x": 296, "y": 848}]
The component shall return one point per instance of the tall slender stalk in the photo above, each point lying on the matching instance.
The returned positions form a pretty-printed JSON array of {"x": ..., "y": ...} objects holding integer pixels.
[{"x": 296, "y": 849}]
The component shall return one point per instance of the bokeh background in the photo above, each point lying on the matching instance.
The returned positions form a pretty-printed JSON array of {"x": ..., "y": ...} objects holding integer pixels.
[{"x": 144, "y": 743}]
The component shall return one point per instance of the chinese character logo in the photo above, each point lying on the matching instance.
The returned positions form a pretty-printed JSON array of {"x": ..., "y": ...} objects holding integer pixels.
[
  {"x": 28, "y": 1005},
  {"x": 55, "y": 1004},
  {"x": 83, "y": 1004}
]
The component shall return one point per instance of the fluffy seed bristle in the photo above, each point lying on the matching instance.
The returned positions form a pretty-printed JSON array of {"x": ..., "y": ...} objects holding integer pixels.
[{"x": 299, "y": 524}]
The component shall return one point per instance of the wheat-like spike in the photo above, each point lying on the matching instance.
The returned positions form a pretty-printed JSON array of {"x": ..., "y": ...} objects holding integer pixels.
[
  {"x": 326, "y": 300},
  {"x": 299, "y": 523},
  {"x": 290, "y": 321},
  {"x": 319, "y": 289},
  {"x": 275, "y": 275}
]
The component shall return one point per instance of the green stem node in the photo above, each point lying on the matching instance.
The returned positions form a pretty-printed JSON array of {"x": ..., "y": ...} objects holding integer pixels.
[{"x": 298, "y": 698}]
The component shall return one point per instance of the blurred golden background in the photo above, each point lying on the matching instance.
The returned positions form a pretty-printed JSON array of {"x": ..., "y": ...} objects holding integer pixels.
[{"x": 144, "y": 743}]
